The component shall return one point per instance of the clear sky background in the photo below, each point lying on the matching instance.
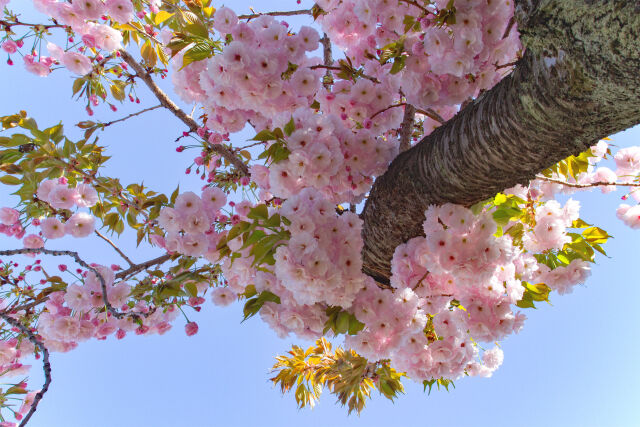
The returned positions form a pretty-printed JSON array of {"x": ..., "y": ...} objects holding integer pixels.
[{"x": 573, "y": 364}]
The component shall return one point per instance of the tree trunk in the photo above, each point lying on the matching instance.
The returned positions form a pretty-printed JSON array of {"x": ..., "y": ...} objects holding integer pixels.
[{"x": 578, "y": 82}]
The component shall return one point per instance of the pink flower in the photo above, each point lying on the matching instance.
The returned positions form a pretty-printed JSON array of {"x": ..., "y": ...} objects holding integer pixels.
[
  {"x": 223, "y": 296},
  {"x": 89, "y": 9},
  {"x": 33, "y": 241},
  {"x": 89, "y": 40},
  {"x": 45, "y": 188},
  {"x": 106, "y": 37},
  {"x": 37, "y": 68},
  {"x": 28, "y": 401},
  {"x": 224, "y": 20},
  {"x": 213, "y": 198},
  {"x": 120, "y": 10},
  {"x": 77, "y": 63},
  {"x": 188, "y": 203},
  {"x": 56, "y": 51},
  {"x": 194, "y": 244},
  {"x": 10, "y": 46},
  {"x": 80, "y": 224},
  {"x": 87, "y": 196},
  {"x": 62, "y": 197},
  {"x": 9, "y": 216},
  {"x": 52, "y": 228},
  {"x": 191, "y": 328}
]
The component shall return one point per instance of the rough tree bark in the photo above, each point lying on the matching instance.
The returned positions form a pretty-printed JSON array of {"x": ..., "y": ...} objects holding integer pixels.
[{"x": 578, "y": 82}]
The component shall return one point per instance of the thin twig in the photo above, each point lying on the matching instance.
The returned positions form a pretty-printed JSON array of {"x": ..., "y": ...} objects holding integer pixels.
[
  {"x": 508, "y": 64},
  {"x": 166, "y": 102},
  {"x": 285, "y": 13},
  {"x": 510, "y": 25},
  {"x": 46, "y": 365},
  {"x": 8, "y": 25},
  {"x": 104, "y": 125},
  {"x": 593, "y": 184},
  {"x": 113, "y": 245},
  {"x": 416, "y": 4},
  {"x": 401, "y": 104},
  {"x": 406, "y": 129},
  {"x": 79, "y": 261},
  {"x": 315, "y": 67},
  {"x": 136, "y": 268}
]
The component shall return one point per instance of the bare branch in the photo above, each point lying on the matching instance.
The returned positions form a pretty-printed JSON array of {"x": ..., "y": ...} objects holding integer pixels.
[
  {"x": 136, "y": 268},
  {"x": 285, "y": 13},
  {"x": 79, "y": 261},
  {"x": 7, "y": 25},
  {"x": 416, "y": 4},
  {"x": 401, "y": 104},
  {"x": 113, "y": 245},
  {"x": 167, "y": 103},
  {"x": 104, "y": 125},
  {"x": 406, "y": 129},
  {"x": 592, "y": 184},
  {"x": 46, "y": 366}
]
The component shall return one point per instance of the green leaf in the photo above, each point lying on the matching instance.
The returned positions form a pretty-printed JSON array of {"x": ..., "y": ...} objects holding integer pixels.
[
  {"x": 197, "y": 53},
  {"x": 259, "y": 212},
  {"x": 290, "y": 127},
  {"x": 191, "y": 289},
  {"x": 197, "y": 29},
  {"x": 9, "y": 180},
  {"x": 253, "y": 305},
  {"x": 264, "y": 135}
]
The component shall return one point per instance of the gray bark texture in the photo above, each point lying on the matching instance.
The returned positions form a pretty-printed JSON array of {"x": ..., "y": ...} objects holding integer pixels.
[{"x": 578, "y": 82}]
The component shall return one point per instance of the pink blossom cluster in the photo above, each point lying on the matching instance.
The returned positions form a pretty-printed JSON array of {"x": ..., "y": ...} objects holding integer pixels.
[
  {"x": 328, "y": 157},
  {"x": 75, "y": 62},
  {"x": 306, "y": 321},
  {"x": 627, "y": 162},
  {"x": 246, "y": 81},
  {"x": 321, "y": 263},
  {"x": 75, "y": 315},
  {"x": 59, "y": 195},
  {"x": 552, "y": 221},
  {"x": 319, "y": 266},
  {"x": 464, "y": 280},
  {"x": 10, "y": 223},
  {"x": 80, "y": 17},
  {"x": 12, "y": 351},
  {"x": 189, "y": 223},
  {"x": 77, "y": 14},
  {"x": 445, "y": 64}
]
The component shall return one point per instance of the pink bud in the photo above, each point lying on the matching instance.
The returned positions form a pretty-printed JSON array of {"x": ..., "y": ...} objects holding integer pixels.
[{"x": 191, "y": 328}]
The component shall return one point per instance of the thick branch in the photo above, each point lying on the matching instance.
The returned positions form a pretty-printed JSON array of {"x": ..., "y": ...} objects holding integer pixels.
[
  {"x": 177, "y": 111},
  {"x": 578, "y": 82}
]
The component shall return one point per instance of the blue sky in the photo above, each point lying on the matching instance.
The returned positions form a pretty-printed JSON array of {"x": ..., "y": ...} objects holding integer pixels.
[{"x": 573, "y": 364}]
